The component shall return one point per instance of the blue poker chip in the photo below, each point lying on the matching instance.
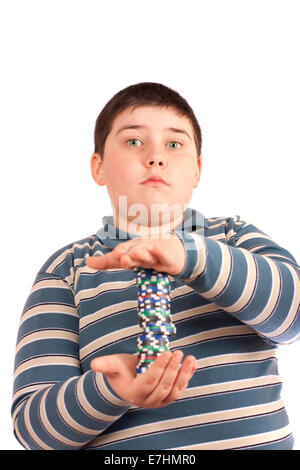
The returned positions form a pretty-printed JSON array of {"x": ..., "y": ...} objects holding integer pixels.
[
  {"x": 156, "y": 298},
  {"x": 151, "y": 337},
  {"x": 158, "y": 288},
  {"x": 164, "y": 299},
  {"x": 154, "y": 288},
  {"x": 156, "y": 336},
  {"x": 141, "y": 370},
  {"x": 161, "y": 324},
  {"x": 154, "y": 341},
  {"x": 154, "y": 295}
]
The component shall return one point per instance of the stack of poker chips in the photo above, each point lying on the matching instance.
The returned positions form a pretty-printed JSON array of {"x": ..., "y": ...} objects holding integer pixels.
[{"x": 154, "y": 316}]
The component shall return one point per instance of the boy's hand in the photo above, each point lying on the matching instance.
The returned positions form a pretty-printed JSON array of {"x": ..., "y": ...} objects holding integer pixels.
[
  {"x": 161, "y": 384},
  {"x": 164, "y": 255}
]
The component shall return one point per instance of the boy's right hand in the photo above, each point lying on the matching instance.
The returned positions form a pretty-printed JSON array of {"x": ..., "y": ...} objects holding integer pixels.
[{"x": 158, "y": 386}]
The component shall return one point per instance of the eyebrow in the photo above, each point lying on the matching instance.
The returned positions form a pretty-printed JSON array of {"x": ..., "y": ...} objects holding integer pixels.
[{"x": 172, "y": 129}]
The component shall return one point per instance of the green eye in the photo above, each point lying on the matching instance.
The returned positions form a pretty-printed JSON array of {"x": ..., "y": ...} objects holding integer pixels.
[
  {"x": 174, "y": 142},
  {"x": 132, "y": 142}
]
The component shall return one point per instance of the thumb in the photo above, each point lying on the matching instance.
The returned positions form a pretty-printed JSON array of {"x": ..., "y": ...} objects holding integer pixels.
[{"x": 107, "y": 365}]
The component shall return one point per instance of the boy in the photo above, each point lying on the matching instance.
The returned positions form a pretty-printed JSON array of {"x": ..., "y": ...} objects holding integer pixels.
[{"x": 235, "y": 298}]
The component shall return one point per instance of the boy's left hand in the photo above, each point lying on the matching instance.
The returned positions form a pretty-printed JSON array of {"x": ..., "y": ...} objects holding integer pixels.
[{"x": 164, "y": 255}]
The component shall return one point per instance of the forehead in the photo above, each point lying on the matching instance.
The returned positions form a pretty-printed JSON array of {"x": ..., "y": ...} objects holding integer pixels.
[{"x": 152, "y": 117}]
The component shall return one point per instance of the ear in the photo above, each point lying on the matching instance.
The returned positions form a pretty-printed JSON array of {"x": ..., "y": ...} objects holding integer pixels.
[
  {"x": 198, "y": 171},
  {"x": 96, "y": 165}
]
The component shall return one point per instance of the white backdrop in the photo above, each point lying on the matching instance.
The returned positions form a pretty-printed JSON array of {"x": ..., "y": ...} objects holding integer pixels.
[{"x": 237, "y": 64}]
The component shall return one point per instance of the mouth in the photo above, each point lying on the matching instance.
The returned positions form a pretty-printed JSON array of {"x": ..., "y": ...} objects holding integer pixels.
[{"x": 155, "y": 181}]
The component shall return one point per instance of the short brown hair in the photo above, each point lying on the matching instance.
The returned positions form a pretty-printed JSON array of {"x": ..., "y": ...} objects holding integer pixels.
[{"x": 141, "y": 94}]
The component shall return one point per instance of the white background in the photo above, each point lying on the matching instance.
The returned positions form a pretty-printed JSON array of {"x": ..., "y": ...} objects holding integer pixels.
[{"x": 236, "y": 63}]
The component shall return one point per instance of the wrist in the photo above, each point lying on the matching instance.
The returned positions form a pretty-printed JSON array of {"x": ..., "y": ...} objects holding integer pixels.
[{"x": 195, "y": 256}]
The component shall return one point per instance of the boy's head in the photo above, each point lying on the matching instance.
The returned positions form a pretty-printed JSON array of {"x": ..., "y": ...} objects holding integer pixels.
[
  {"x": 147, "y": 131},
  {"x": 142, "y": 94}
]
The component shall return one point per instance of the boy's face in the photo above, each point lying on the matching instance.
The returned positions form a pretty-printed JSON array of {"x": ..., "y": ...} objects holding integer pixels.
[{"x": 151, "y": 149}]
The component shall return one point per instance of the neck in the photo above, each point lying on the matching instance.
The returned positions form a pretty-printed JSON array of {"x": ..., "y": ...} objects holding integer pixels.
[{"x": 136, "y": 227}]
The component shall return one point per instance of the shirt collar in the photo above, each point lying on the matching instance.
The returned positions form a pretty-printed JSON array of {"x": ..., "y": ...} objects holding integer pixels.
[{"x": 111, "y": 236}]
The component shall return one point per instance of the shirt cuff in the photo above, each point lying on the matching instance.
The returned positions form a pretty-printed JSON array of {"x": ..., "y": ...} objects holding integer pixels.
[
  {"x": 195, "y": 256},
  {"x": 114, "y": 400}
]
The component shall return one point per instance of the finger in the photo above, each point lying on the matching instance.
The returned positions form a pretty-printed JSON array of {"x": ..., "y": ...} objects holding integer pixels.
[
  {"x": 163, "y": 255},
  {"x": 115, "y": 364},
  {"x": 121, "y": 249},
  {"x": 142, "y": 254},
  {"x": 183, "y": 377},
  {"x": 166, "y": 383},
  {"x": 106, "y": 364},
  {"x": 124, "y": 248},
  {"x": 102, "y": 262},
  {"x": 137, "y": 257},
  {"x": 147, "y": 381},
  {"x": 126, "y": 261}
]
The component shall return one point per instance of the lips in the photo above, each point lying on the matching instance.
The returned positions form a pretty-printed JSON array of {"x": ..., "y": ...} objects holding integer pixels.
[{"x": 155, "y": 180}]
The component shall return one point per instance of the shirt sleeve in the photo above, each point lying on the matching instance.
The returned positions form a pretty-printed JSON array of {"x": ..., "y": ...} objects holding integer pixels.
[
  {"x": 56, "y": 405},
  {"x": 251, "y": 277}
]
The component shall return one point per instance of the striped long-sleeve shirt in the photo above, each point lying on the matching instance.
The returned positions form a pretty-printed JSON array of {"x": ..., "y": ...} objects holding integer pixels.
[{"x": 236, "y": 299}]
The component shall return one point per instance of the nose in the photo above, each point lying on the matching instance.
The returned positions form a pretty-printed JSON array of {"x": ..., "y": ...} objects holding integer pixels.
[{"x": 155, "y": 160}]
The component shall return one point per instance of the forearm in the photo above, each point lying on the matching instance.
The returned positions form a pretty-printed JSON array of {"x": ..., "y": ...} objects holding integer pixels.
[
  {"x": 257, "y": 289},
  {"x": 56, "y": 405},
  {"x": 67, "y": 415}
]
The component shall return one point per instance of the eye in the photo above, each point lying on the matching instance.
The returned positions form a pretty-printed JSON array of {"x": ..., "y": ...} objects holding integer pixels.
[
  {"x": 176, "y": 143},
  {"x": 133, "y": 142}
]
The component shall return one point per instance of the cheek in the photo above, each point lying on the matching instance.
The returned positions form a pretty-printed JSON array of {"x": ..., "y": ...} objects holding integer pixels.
[
  {"x": 186, "y": 180},
  {"x": 186, "y": 173},
  {"x": 121, "y": 174}
]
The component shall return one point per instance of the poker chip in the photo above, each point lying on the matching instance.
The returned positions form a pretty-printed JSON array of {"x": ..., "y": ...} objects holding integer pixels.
[
  {"x": 161, "y": 327},
  {"x": 157, "y": 295},
  {"x": 154, "y": 313},
  {"x": 140, "y": 370},
  {"x": 154, "y": 316},
  {"x": 151, "y": 304},
  {"x": 154, "y": 319},
  {"x": 151, "y": 349},
  {"x": 143, "y": 358},
  {"x": 154, "y": 344},
  {"x": 153, "y": 337}
]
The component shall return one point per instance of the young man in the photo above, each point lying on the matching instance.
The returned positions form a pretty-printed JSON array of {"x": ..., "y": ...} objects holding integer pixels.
[{"x": 235, "y": 298}]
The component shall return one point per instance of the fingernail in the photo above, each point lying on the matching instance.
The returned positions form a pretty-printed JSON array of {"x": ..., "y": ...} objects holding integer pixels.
[
  {"x": 167, "y": 356},
  {"x": 178, "y": 356}
]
